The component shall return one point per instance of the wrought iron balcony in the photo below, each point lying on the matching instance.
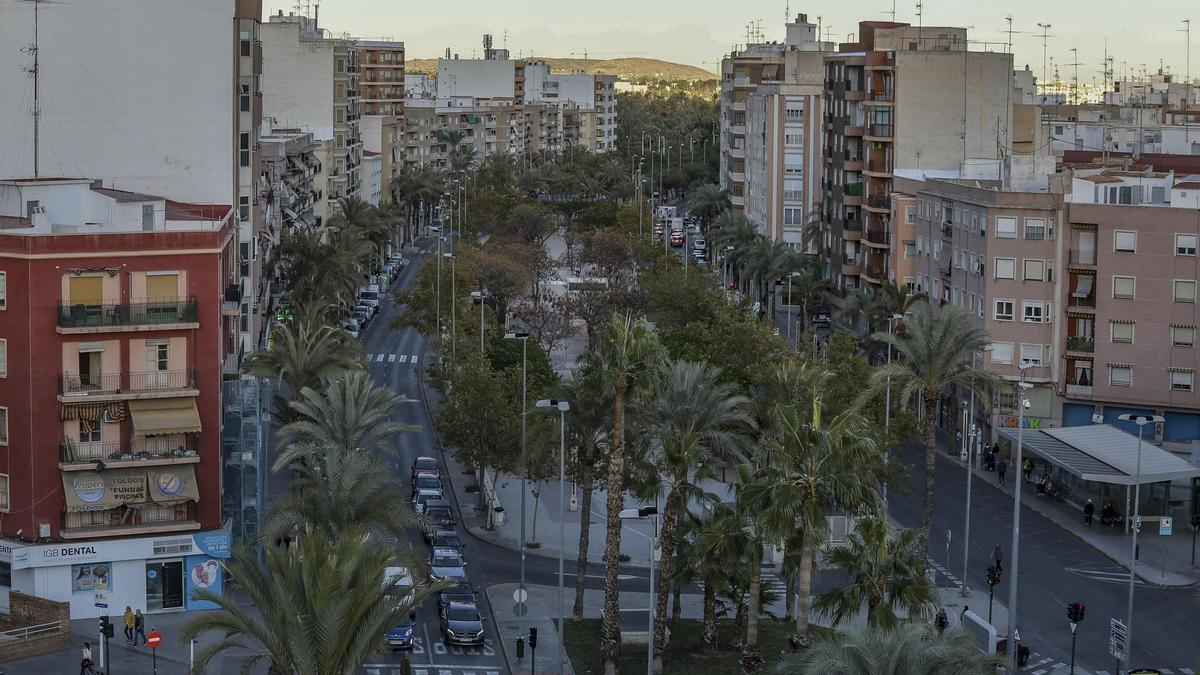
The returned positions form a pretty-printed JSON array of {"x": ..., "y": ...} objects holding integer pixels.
[{"x": 119, "y": 315}]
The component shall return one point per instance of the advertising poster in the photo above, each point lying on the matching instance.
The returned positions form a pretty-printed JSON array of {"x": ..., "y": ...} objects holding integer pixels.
[{"x": 202, "y": 573}]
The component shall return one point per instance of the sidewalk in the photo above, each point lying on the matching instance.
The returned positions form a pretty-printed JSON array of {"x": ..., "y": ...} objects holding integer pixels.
[{"x": 1111, "y": 541}]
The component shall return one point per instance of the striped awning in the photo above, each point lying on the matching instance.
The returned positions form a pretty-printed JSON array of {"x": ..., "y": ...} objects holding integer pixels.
[{"x": 90, "y": 414}]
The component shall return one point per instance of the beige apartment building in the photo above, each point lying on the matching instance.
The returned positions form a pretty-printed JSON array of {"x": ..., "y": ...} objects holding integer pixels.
[
  {"x": 491, "y": 126},
  {"x": 381, "y": 102}
]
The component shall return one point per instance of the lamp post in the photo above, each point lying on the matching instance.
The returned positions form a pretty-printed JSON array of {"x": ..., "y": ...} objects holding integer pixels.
[
  {"x": 791, "y": 345},
  {"x": 439, "y": 287},
  {"x": 562, "y": 407},
  {"x": 636, "y": 514},
  {"x": 1141, "y": 421},
  {"x": 482, "y": 304},
  {"x": 887, "y": 410},
  {"x": 453, "y": 309},
  {"x": 524, "y": 338},
  {"x": 971, "y": 447},
  {"x": 1016, "y": 529}
]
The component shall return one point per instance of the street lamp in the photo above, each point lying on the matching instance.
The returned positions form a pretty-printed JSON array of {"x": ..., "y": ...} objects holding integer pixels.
[
  {"x": 453, "y": 309},
  {"x": 970, "y": 446},
  {"x": 789, "y": 314},
  {"x": 1022, "y": 403},
  {"x": 1141, "y": 421},
  {"x": 562, "y": 407},
  {"x": 887, "y": 410},
  {"x": 637, "y": 514},
  {"x": 524, "y": 338}
]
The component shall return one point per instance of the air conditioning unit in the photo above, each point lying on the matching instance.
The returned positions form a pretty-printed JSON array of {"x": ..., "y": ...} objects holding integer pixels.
[{"x": 1097, "y": 418}]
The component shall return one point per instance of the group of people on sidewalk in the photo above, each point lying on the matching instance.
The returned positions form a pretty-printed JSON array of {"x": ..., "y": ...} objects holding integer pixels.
[{"x": 135, "y": 629}]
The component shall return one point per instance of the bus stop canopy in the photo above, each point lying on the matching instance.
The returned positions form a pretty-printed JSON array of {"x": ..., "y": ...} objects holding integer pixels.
[{"x": 1103, "y": 454}]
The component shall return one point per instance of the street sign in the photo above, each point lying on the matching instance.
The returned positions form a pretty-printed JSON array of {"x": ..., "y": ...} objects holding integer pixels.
[
  {"x": 153, "y": 638},
  {"x": 520, "y": 595},
  {"x": 1164, "y": 526},
  {"x": 1116, "y": 639}
]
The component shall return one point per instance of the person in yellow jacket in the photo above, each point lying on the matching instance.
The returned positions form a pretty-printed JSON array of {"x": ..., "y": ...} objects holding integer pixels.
[{"x": 129, "y": 621}]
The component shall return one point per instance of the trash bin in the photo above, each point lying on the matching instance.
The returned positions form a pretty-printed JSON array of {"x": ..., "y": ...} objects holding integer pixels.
[{"x": 498, "y": 515}]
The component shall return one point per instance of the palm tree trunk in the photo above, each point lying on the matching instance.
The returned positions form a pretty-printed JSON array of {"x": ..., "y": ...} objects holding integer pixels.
[
  {"x": 610, "y": 634},
  {"x": 755, "y": 600},
  {"x": 667, "y": 542},
  {"x": 708, "y": 635},
  {"x": 930, "y": 401},
  {"x": 585, "y": 522},
  {"x": 677, "y": 601},
  {"x": 804, "y": 579},
  {"x": 789, "y": 609}
]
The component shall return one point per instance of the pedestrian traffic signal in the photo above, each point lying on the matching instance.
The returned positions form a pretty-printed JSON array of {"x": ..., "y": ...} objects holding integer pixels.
[
  {"x": 1196, "y": 521},
  {"x": 1075, "y": 612},
  {"x": 993, "y": 575},
  {"x": 106, "y": 627},
  {"x": 533, "y": 638},
  {"x": 520, "y": 647}
]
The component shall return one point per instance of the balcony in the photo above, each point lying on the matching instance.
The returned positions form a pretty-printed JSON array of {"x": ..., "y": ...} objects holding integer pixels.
[
  {"x": 853, "y": 189},
  {"x": 880, "y": 131},
  {"x": 880, "y": 202},
  {"x": 878, "y": 238},
  {"x": 131, "y": 316},
  {"x": 1079, "y": 387},
  {"x": 1082, "y": 259},
  {"x": 879, "y": 165},
  {"x": 1078, "y": 343},
  {"x": 852, "y": 224},
  {"x": 127, "y": 385},
  {"x": 853, "y": 130},
  {"x": 125, "y": 520},
  {"x": 884, "y": 96},
  {"x": 152, "y": 451},
  {"x": 874, "y": 275},
  {"x": 232, "y": 304}
]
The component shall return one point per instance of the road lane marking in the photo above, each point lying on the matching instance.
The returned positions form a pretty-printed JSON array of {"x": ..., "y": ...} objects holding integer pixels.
[
  {"x": 404, "y": 358},
  {"x": 392, "y": 358},
  {"x": 414, "y": 358},
  {"x": 379, "y": 359}
]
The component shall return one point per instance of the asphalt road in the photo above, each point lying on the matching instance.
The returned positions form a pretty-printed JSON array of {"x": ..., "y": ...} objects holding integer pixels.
[{"x": 1056, "y": 568}]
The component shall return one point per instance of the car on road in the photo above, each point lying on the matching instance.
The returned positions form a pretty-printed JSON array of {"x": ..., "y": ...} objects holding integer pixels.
[
  {"x": 461, "y": 591},
  {"x": 351, "y": 327},
  {"x": 361, "y": 317},
  {"x": 371, "y": 310},
  {"x": 421, "y": 498},
  {"x": 700, "y": 245},
  {"x": 462, "y": 624},
  {"x": 676, "y": 240},
  {"x": 370, "y": 295},
  {"x": 400, "y": 636},
  {"x": 446, "y": 564},
  {"x": 426, "y": 481},
  {"x": 448, "y": 539},
  {"x": 438, "y": 516},
  {"x": 425, "y": 465},
  {"x": 401, "y": 575}
]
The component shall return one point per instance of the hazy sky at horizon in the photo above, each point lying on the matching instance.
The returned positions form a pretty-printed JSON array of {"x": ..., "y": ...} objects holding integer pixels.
[{"x": 699, "y": 32}]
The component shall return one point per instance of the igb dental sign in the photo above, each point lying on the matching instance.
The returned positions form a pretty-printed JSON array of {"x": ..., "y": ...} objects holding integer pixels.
[{"x": 65, "y": 554}]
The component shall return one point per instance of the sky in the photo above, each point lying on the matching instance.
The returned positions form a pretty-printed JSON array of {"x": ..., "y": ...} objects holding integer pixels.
[{"x": 699, "y": 32}]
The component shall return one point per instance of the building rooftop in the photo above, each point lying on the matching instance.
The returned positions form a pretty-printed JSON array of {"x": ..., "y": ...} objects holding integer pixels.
[
  {"x": 50, "y": 206},
  {"x": 124, "y": 196},
  {"x": 1101, "y": 178},
  {"x": 1187, "y": 185}
]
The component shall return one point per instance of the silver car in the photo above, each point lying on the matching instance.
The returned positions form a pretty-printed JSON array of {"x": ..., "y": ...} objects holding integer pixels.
[{"x": 447, "y": 564}]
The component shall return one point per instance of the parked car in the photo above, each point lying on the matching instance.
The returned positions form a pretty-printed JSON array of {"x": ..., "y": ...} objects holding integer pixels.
[
  {"x": 448, "y": 539},
  {"x": 371, "y": 310},
  {"x": 462, "y": 624},
  {"x": 700, "y": 245},
  {"x": 438, "y": 516},
  {"x": 461, "y": 591},
  {"x": 426, "y": 481},
  {"x": 400, "y": 637},
  {"x": 351, "y": 327},
  {"x": 361, "y": 317},
  {"x": 421, "y": 499},
  {"x": 446, "y": 564},
  {"x": 426, "y": 465},
  {"x": 402, "y": 575},
  {"x": 370, "y": 295}
]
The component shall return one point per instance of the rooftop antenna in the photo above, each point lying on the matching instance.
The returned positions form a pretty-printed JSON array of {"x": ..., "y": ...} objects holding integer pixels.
[
  {"x": 1045, "y": 35},
  {"x": 787, "y": 11},
  {"x": 1187, "y": 80},
  {"x": 506, "y": 39},
  {"x": 920, "y": 23},
  {"x": 1075, "y": 77},
  {"x": 893, "y": 11},
  {"x": 34, "y": 72},
  {"x": 1008, "y": 19}
]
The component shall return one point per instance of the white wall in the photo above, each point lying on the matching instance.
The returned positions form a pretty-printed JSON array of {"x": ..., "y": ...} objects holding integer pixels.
[
  {"x": 297, "y": 80},
  {"x": 140, "y": 90},
  {"x": 476, "y": 77}
]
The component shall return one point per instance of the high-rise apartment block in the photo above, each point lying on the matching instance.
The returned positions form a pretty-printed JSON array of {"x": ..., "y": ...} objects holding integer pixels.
[{"x": 381, "y": 82}]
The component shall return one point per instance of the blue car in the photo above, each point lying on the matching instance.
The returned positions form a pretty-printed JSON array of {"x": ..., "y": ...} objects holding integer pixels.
[{"x": 401, "y": 636}]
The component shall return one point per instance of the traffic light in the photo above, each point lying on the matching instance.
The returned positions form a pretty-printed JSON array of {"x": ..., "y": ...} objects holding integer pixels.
[
  {"x": 533, "y": 638},
  {"x": 520, "y": 647},
  {"x": 106, "y": 627},
  {"x": 1196, "y": 521},
  {"x": 1075, "y": 612},
  {"x": 993, "y": 575}
]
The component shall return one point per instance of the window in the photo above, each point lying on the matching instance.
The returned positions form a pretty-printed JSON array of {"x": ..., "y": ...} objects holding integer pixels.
[
  {"x": 1125, "y": 241},
  {"x": 910, "y": 215},
  {"x": 245, "y": 48},
  {"x": 3, "y": 358},
  {"x": 4, "y": 503},
  {"x": 1033, "y": 311},
  {"x": 1034, "y": 270},
  {"x": 1124, "y": 287},
  {"x": 1120, "y": 375},
  {"x": 1185, "y": 244},
  {"x": 89, "y": 432},
  {"x": 1002, "y": 352},
  {"x": 244, "y": 150},
  {"x": 3, "y": 290},
  {"x": 244, "y": 98},
  {"x": 1185, "y": 291},
  {"x": 1006, "y": 227},
  {"x": 1181, "y": 380},
  {"x": 244, "y": 208},
  {"x": 1005, "y": 268},
  {"x": 910, "y": 250},
  {"x": 1121, "y": 331},
  {"x": 1003, "y": 310},
  {"x": 3, "y": 426},
  {"x": 1031, "y": 353},
  {"x": 793, "y": 216},
  {"x": 793, "y": 139},
  {"x": 1183, "y": 336},
  {"x": 1035, "y": 228}
]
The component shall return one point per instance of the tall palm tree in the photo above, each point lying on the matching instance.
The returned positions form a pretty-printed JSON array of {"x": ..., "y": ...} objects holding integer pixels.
[
  {"x": 349, "y": 412},
  {"x": 589, "y": 428},
  {"x": 886, "y": 571},
  {"x": 720, "y": 547},
  {"x": 808, "y": 287},
  {"x": 935, "y": 354},
  {"x": 910, "y": 649},
  {"x": 696, "y": 420},
  {"x": 320, "y": 608},
  {"x": 733, "y": 236},
  {"x": 305, "y": 353},
  {"x": 706, "y": 202},
  {"x": 630, "y": 356}
]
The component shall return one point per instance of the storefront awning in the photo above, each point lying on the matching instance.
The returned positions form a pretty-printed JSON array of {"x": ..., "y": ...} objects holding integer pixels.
[
  {"x": 173, "y": 484},
  {"x": 1103, "y": 454},
  {"x": 1083, "y": 287},
  {"x": 103, "y": 490},
  {"x": 155, "y": 417}
]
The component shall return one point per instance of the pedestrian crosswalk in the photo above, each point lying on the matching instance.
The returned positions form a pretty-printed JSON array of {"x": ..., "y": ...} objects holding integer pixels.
[
  {"x": 396, "y": 669},
  {"x": 410, "y": 359}
]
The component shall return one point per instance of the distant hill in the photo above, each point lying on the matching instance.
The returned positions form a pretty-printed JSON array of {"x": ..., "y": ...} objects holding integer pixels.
[{"x": 630, "y": 69}]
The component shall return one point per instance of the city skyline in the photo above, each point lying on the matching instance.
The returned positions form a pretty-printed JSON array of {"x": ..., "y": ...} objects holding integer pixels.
[{"x": 1153, "y": 35}]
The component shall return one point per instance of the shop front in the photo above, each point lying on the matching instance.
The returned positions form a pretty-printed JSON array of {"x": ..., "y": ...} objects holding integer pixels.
[{"x": 153, "y": 574}]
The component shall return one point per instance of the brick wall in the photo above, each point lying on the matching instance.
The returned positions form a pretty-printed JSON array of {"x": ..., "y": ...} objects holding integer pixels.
[{"x": 27, "y": 610}]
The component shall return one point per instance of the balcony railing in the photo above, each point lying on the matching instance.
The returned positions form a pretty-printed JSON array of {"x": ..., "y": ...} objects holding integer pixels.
[
  {"x": 156, "y": 447},
  {"x": 1077, "y": 343},
  {"x": 877, "y": 237},
  {"x": 71, "y": 384},
  {"x": 875, "y": 273},
  {"x": 1086, "y": 258},
  {"x": 880, "y": 130},
  {"x": 885, "y": 95},
  {"x": 233, "y": 293},
  {"x": 1087, "y": 303},
  {"x": 875, "y": 165},
  {"x": 151, "y": 312},
  {"x": 853, "y": 189},
  {"x": 81, "y": 523},
  {"x": 852, "y": 224},
  {"x": 879, "y": 201}
]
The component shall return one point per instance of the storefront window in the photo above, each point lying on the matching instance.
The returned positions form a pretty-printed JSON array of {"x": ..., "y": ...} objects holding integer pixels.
[{"x": 164, "y": 584}]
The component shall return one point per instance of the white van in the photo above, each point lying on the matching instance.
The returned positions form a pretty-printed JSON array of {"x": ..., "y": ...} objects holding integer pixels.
[{"x": 370, "y": 296}]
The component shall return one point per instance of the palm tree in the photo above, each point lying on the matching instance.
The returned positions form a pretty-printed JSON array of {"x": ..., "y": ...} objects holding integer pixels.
[
  {"x": 706, "y": 202},
  {"x": 886, "y": 571},
  {"x": 696, "y": 420},
  {"x": 349, "y": 412},
  {"x": 935, "y": 353},
  {"x": 765, "y": 262},
  {"x": 629, "y": 356},
  {"x": 720, "y": 547},
  {"x": 589, "y": 426},
  {"x": 320, "y": 608},
  {"x": 910, "y": 649},
  {"x": 304, "y": 354},
  {"x": 734, "y": 235},
  {"x": 808, "y": 287}
]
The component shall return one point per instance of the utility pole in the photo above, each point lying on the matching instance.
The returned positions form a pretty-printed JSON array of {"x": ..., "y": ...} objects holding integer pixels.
[
  {"x": 1045, "y": 36},
  {"x": 34, "y": 72},
  {"x": 1187, "y": 79}
]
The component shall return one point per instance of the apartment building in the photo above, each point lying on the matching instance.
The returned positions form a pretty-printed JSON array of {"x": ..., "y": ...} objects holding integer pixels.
[
  {"x": 594, "y": 96},
  {"x": 371, "y": 188},
  {"x": 489, "y": 125},
  {"x": 381, "y": 77},
  {"x": 120, "y": 323},
  {"x": 1129, "y": 299},
  {"x": 188, "y": 128},
  {"x": 311, "y": 81},
  {"x": 903, "y": 101},
  {"x": 288, "y": 184},
  {"x": 1136, "y": 130}
]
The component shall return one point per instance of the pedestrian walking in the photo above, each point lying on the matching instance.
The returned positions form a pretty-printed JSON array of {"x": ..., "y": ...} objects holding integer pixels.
[
  {"x": 139, "y": 626},
  {"x": 129, "y": 623},
  {"x": 405, "y": 665},
  {"x": 941, "y": 621},
  {"x": 998, "y": 556},
  {"x": 1088, "y": 509},
  {"x": 1027, "y": 469},
  {"x": 1001, "y": 469},
  {"x": 85, "y": 662}
]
